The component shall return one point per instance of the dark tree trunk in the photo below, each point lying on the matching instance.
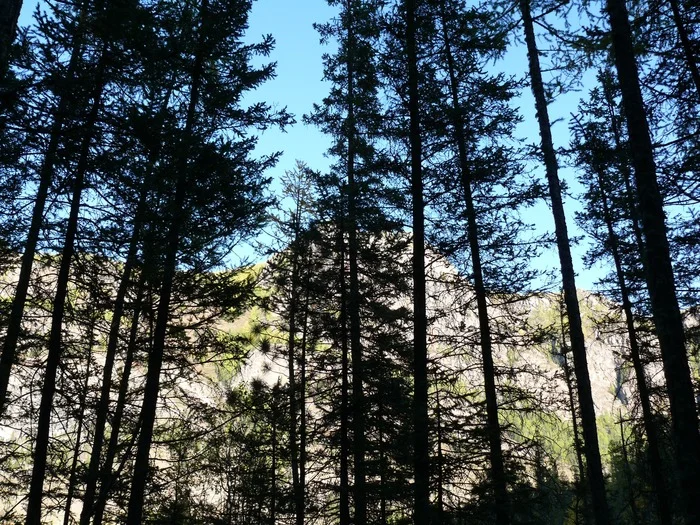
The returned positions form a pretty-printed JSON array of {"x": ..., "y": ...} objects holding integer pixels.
[
  {"x": 655, "y": 463},
  {"x": 440, "y": 517},
  {"x": 421, "y": 511},
  {"x": 358, "y": 402},
  {"x": 273, "y": 498},
  {"x": 628, "y": 473},
  {"x": 345, "y": 386},
  {"x": 293, "y": 409},
  {"x": 14, "y": 325},
  {"x": 658, "y": 267},
  {"x": 594, "y": 465},
  {"x": 110, "y": 355},
  {"x": 155, "y": 358},
  {"x": 625, "y": 171},
  {"x": 581, "y": 481},
  {"x": 105, "y": 474},
  {"x": 113, "y": 340},
  {"x": 55, "y": 346},
  {"x": 73, "y": 478},
  {"x": 381, "y": 445},
  {"x": 302, "y": 391},
  {"x": 498, "y": 475}
]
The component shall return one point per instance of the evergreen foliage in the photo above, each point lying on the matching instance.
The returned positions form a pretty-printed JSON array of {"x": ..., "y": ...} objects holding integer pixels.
[{"x": 392, "y": 353}]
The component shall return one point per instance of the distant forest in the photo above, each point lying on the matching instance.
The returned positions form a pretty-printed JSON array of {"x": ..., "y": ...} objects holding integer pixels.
[{"x": 393, "y": 353}]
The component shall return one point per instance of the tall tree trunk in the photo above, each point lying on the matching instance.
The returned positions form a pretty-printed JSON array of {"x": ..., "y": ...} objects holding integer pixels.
[
  {"x": 110, "y": 355},
  {"x": 113, "y": 338},
  {"x": 155, "y": 358},
  {"x": 654, "y": 454},
  {"x": 293, "y": 409},
  {"x": 294, "y": 301},
  {"x": 273, "y": 498},
  {"x": 73, "y": 478},
  {"x": 625, "y": 171},
  {"x": 302, "y": 391},
  {"x": 421, "y": 511},
  {"x": 594, "y": 465},
  {"x": 358, "y": 402},
  {"x": 345, "y": 386},
  {"x": 498, "y": 475},
  {"x": 628, "y": 473},
  {"x": 580, "y": 485},
  {"x": 105, "y": 473},
  {"x": 55, "y": 346},
  {"x": 14, "y": 325},
  {"x": 690, "y": 57},
  {"x": 440, "y": 518},
  {"x": 658, "y": 267},
  {"x": 381, "y": 445}
]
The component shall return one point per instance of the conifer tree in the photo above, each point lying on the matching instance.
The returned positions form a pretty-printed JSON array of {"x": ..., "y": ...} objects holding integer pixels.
[
  {"x": 658, "y": 267},
  {"x": 60, "y": 113},
  {"x": 422, "y": 508},
  {"x": 599, "y": 157},
  {"x": 594, "y": 465},
  {"x": 201, "y": 221}
]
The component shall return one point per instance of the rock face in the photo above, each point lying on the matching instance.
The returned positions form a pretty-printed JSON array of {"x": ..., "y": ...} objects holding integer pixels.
[{"x": 528, "y": 343}]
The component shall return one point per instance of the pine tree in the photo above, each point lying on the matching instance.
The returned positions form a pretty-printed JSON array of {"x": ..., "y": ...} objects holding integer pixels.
[
  {"x": 597, "y": 156},
  {"x": 658, "y": 268},
  {"x": 60, "y": 112},
  {"x": 196, "y": 215},
  {"x": 588, "y": 419}
]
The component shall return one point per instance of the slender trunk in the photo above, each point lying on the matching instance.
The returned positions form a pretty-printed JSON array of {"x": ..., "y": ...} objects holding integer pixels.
[
  {"x": 382, "y": 465},
  {"x": 690, "y": 57},
  {"x": 581, "y": 483},
  {"x": 72, "y": 480},
  {"x": 302, "y": 395},
  {"x": 358, "y": 402},
  {"x": 658, "y": 267},
  {"x": 103, "y": 403},
  {"x": 381, "y": 445},
  {"x": 273, "y": 502},
  {"x": 628, "y": 473},
  {"x": 55, "y": 346},
  {"x": 293, "y": 409},
  {"x": 129, "y": 447},
  {"x": 155, "y": 359},
  {"x": 421, "y": 512},
  {"x": 345, "y": 387},
  {"x": 440, "y": 518},
  {"x": 113, "y": 341},
  {"x": 105, "y": 474},
  {"x": 655, "y": 463},
  {"x": 498, "y": 475},
  {"x": 14, "y": 324},
  {"x": 623, "y": 166},
  {"x": 594, "y": 465}
]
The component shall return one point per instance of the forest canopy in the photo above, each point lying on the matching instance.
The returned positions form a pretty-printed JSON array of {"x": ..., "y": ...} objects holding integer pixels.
[{"x": 390, "y": 350}]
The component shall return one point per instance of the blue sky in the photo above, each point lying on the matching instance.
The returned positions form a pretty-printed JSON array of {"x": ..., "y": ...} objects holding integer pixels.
[{"x": 298, "y": 85}]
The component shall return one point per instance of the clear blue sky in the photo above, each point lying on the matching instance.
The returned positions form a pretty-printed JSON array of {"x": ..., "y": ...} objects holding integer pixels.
[{"x": 298, "y": 85}]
